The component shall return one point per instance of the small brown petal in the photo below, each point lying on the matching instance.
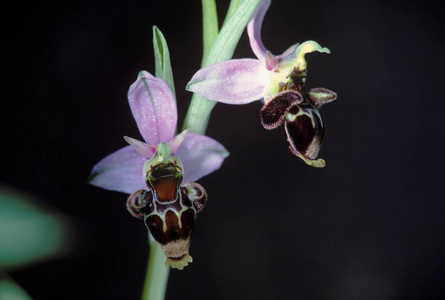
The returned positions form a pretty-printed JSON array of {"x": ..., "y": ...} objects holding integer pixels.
[
  {"x": 197, "y": 194},
  {"x": 140, "y": 203},
  {"x": 273, "y": 113},
  {"x": 321, "y": 96}
]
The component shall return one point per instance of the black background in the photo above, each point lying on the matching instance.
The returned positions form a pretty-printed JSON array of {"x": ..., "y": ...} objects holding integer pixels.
[{"x": 368, "y": 226}]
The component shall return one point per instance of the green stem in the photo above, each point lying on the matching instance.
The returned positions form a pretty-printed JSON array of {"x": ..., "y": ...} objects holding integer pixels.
[
  {"x": 199, "y": 111},
  {"x": 157, "y": 274},
  {"x": 216, "y": 48},
  {"x": 209, "y": 27},
  {"x": 233, "y": 5}
]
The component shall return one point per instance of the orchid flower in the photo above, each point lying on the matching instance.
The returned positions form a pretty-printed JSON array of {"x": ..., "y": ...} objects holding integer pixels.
[
  {"x": 153, "y": 171},
  {"x": 278, "y": 81},
  {"x": 154, "y": 110}
]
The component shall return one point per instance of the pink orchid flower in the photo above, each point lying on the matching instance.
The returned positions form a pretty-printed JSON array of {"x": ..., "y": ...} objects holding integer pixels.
[
  {"x": 154, "y": 109},
  {"x": 278, "y": 81}
]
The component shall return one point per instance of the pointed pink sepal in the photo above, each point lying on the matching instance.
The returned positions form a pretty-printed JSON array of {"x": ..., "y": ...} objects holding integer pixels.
[
  {"x": 142, "y": 148},
  {"x": 177, "y": 141}
]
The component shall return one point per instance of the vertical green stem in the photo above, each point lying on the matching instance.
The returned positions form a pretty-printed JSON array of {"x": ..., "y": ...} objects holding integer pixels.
[
  {"x": 198, "y": 114},
  {"x": 209, "y": 27},
  {"x": 157, "y": 274},
  {"x": 216, "y": 48},
  {"x": 209, "y": 35}
]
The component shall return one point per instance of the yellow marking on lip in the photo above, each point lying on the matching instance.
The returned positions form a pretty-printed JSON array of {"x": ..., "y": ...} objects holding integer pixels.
[
  {"x": 292, "y": 117},
  {"x": 177, "y": 213},
  {"x": 179, "y": 264},
  {"x": 317, "y": 163}
]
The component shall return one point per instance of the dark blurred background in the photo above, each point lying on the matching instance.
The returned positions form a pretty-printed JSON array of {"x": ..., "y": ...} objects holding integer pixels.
[{"x": 368, "y": 226}]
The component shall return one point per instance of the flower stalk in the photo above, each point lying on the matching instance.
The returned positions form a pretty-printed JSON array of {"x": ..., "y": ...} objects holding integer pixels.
[
  {"x": 156, "y": 278},
  {"x": 278, "y": 82},
  {"x": 216, "y": 48},
  {"x": 199, "y": 111},
  {"x": 166, "y": 196}
]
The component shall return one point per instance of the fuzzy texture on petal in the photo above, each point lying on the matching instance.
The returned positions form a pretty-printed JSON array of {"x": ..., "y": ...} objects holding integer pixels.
[
  {"x": 254, "y": 30},
  {"x": 120, "y": 171},
  {"x": 321, "y": 96},
  {"x": 305, "y": 130},
  {"x": 200, "y": 156},
  {"x": 274, "y": 112},
  {"x": 154, "y": 108},
  {"x": 237, "y": 81}
]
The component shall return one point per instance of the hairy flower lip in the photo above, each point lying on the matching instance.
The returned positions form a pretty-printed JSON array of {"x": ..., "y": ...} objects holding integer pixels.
[
  {"x": 304, "y": 128},
  {"x": 269, "y": 77},
  {"x": 241, "y": 81},
  {"x": 274, "y": 112}
]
